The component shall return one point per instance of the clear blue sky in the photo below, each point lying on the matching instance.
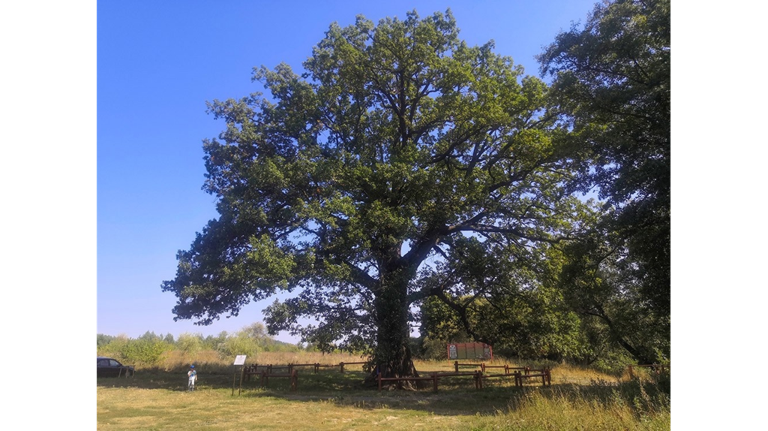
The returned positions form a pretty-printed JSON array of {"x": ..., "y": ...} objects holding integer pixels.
[{"x": 159, "y": 62}]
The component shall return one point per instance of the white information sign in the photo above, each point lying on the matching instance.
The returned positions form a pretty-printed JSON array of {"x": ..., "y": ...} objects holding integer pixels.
[{"x": 239, "y": 360}]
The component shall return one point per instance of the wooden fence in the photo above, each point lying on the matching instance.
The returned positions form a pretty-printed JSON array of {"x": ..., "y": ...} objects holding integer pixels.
[
  {"x": 520, "y": 374},
  {"x": 434, "y": 378},
  {"x": 254, "y": 369},
  {"x": 544, "y": 373},
  {"x": 293, "y": 375},
  {"x": 458, "y": 365},
  {"x": 483, "y": 367}
]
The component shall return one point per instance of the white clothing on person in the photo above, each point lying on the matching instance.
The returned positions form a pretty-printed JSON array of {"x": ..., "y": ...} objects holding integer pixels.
[{"x": 192, "y": 378}]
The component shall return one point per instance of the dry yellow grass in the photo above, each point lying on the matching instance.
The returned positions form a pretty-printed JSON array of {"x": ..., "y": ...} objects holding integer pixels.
[
  {"x": 176, "y": 359},
  {"x": 578, "y": 399}
]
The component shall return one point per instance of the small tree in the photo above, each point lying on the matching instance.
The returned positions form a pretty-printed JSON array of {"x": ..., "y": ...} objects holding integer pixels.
[
  {"x": 257, "y": 331},
  {"x": 103, "y": 340},
  {"x": 146, "y": 352},
  {"x": 240, "y": 343},
  {"x": 142, "y": 350},
  {"x": 189, "y": 343}
]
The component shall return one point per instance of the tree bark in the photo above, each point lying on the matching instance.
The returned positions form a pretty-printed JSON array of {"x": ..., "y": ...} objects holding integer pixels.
[{"x": 392, "y": 355}]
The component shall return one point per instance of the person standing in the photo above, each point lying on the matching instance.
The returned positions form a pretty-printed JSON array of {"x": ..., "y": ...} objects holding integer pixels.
[{"x": 192, "y": 375}]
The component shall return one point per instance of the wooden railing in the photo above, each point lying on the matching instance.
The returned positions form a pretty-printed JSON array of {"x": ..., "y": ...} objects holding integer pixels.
[
  {"x": 293, "y": 375},
  {"x": 435, "y": 378},
  {"x": 519, "y": 373},
  {"x": 457, "y": 365},
  {"x": 256, "y": 369},
  {"x": 544, "y": 373}
]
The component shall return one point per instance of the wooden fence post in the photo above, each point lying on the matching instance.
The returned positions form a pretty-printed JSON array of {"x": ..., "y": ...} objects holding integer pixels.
[{"x": 456, "y": 366}]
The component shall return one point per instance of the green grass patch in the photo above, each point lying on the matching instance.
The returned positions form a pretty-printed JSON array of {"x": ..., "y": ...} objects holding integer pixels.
[{"x": 330, "y": 400}]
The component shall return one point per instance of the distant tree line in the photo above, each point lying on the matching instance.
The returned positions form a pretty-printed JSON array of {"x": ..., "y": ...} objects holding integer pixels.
[{"x": 149, "y": 348}]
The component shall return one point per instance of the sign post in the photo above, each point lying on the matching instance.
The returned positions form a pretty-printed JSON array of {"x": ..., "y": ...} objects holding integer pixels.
[{"x": 239, "y": 360}]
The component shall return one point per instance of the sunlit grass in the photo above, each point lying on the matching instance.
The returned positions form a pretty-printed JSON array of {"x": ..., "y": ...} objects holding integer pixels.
[{"x": 579, "y": 398}]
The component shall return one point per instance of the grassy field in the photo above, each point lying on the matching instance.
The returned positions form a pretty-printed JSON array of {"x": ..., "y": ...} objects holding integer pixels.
[{"x": 579, "y": 399}]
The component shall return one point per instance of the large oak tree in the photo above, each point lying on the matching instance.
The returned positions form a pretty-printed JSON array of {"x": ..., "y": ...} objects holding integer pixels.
[{"x": 399, "y": 147}]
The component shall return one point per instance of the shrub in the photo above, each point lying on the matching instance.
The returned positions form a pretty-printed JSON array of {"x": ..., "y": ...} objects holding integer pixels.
[
  {"x": 142, "y": 351},
  {"x": 189, "y": 343},
  {"x": 239, "y": 344}
]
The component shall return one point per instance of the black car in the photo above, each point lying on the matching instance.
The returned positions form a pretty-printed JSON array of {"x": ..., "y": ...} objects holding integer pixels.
[{"x": 108, "y": 367}]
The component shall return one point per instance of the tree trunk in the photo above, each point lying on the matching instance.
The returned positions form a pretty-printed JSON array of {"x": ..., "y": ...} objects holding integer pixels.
[
  {"x": 392, "y": 356},
  {"x": 641, "y": 355}
]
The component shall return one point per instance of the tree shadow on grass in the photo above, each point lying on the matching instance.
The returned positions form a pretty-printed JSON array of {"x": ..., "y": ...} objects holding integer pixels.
[{"x": 455, "y": 396}]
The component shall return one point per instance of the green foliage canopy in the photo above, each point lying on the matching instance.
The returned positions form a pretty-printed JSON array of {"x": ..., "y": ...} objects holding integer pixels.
[
  {"x": 144, "y": 350},
  {"x": 399, "y": 145},
  {"x": 612, "y": 83}
]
